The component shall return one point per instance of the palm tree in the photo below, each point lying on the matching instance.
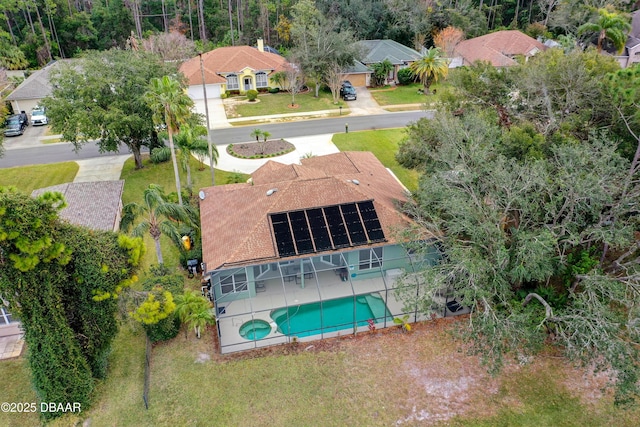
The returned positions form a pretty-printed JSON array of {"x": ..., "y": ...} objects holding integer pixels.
[
  {"x": 257, "y": 133},
  {"x": 172, "y": 107},
  {"x": 192, "y": 141},
  {"x": 157, "y": 216},
  {"x": 430, "y": 68},
  {"x": 611, "y": 26},
  {"x": 194, "y": 311}
]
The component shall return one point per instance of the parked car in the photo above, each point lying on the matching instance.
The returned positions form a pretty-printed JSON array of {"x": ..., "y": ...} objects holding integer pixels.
[
  {"x": 16, "y": 124},
  {"x": 349, "y": 93},
  {"x": 39, "y": 116},
  {"x": 345, "y": 83}
]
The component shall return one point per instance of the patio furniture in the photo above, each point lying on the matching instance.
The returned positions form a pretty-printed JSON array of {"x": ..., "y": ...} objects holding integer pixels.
[{"x": 260, "y": 286}]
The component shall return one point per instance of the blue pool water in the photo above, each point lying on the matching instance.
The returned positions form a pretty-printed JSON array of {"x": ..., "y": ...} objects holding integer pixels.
[
  {"x": 255, "y": 329},
  {"x": 330, "y": 316}
]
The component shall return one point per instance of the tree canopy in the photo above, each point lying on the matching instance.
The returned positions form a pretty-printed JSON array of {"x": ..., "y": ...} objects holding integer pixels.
[
  {"x": 542, "y": 250},
  {"x": 61, "y": 282},
  {"x": 101, "y": 97}
]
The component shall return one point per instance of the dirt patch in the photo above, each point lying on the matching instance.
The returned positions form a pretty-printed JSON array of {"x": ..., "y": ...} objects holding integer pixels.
[{"x": 256, "y": 150}]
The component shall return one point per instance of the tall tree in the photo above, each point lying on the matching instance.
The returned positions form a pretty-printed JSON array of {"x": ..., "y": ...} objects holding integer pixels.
[
  {"x": 317, "y": 44},
  {"x": 59, "y": 280},
  {"x": 430, "y": 68},
  {"x": 101, "y": 97},
  {"x": 156, "y": 216},
  {"x": 521, "y": 243},
  {"x": 172, "y": 107},
  {"x": 610, "y": 25}
]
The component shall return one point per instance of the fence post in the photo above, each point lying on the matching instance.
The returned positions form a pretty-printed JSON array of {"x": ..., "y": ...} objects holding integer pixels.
[{"x": 147, "y": 373}]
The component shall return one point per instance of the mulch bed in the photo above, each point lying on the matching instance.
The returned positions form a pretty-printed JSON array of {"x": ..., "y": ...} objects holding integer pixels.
[{"x": 261, "y": 149}]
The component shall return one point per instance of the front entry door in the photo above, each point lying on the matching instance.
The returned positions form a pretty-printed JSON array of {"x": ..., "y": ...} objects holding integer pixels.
[{"x": 247, "y": 83}]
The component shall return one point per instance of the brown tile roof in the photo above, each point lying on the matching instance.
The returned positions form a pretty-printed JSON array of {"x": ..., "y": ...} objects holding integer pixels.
[
  {"x": 96, "y": 205},
  {"x": 231, "y": 59},
  {"x": 498, "y": 48},
  {"x": 235, "y": 218}
]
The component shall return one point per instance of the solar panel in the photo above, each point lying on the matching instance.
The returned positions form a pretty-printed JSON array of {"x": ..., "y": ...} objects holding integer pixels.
[
  {"x": 354, "y": 224},
  {"x": 371, "y": 221},
  {"x": 301, "y": 232},
  {"x": 319, "y": 230},
  {"x": 322, "y": 229},
  {"x": 282, "y": 234},
  {"x": 336, "y": 227}
]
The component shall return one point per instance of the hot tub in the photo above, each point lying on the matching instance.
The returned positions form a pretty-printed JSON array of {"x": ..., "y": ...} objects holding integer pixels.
[{"x": 255, "y": 329}]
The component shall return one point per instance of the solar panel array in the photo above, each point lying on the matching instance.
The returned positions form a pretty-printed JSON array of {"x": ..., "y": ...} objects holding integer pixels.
[{"x": 322, "y": 229}]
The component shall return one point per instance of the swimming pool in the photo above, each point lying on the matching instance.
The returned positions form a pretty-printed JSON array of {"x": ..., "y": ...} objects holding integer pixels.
[{"x": 330, "y": 316}]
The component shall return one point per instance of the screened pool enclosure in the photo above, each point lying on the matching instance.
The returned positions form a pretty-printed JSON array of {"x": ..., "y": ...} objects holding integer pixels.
[{"x": 311, "y": 298}]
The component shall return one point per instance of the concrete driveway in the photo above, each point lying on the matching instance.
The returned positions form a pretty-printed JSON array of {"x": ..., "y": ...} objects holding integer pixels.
[
  {"x": 30, "y": 138},
  {"x": 364, "y": 104}
]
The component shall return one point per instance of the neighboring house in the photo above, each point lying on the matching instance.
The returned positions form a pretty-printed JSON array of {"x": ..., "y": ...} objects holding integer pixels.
[
  {"x": 96, "y": 205},
  {"x": 376, "y": 51},
  {"x": 232, "y": 68},
  {"x": 500, "y": 48},
  {"x": 358, "y": 74},
  {"x": 305, "y": 252},
  {"x": 33, "y": 89},
  {"x": 631, "y": 55}
]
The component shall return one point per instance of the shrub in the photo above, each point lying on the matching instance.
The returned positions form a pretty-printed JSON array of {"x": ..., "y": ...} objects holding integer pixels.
[
  {"x": 274, "y": 89},
  {"x": 252, "y": 95},
  {"x": 405, "y": 76},
  {"x": 166, "y": 329}
]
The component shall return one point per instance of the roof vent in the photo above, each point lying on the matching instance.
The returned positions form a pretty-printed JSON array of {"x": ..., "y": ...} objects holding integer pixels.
[
  {"x": 271, "y": 191},
  {"x": 355, "y": 181},
  {"x": 201, "y": 195}
]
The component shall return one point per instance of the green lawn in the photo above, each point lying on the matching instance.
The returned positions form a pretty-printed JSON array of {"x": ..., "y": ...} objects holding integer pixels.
[
  {"x": 280, "y": 103},
  {"x": 29, "y": 178},
  {"x": 373, "y": 380},
  {"x": 382, "y": 143},
  {"x": 408, "y": 94},
  {"x": 162, "y": 174}
]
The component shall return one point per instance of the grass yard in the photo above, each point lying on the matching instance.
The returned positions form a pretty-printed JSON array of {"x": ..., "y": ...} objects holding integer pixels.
[
  {"x": 280, "y": 103},
  {"x": 383, "y": 379},
  {"x": 384, "y": 145},
  {"x": 398, "y": 95},
  {"x": 29, "y": 178},
  {"x": 162, "y": 174}
]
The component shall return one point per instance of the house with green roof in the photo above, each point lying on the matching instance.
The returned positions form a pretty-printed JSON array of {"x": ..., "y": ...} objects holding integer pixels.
[{"x": 376, "y": 51}]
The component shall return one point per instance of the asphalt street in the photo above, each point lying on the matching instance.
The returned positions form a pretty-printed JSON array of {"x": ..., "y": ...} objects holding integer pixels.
[{"x": 61, "y": 152}]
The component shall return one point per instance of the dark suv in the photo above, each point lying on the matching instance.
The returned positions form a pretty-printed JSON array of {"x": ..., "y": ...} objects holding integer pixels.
[
  {"x": 16, "y": 124},
  {"x": 347, "y": 91}
]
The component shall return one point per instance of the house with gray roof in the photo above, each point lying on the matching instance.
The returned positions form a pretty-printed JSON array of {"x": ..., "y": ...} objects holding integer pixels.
[
  {"x": 631, "y": 54},
  {"x": 376, "y": 51},
  {"x": 33, "y": 89},
  {"x": 96, "y": 205}
]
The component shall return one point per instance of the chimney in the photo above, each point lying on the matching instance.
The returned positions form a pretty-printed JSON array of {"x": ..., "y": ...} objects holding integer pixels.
[{"x": 260, "y": 45}]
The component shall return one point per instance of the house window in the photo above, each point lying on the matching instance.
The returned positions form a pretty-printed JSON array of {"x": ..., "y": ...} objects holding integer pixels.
[
  {"x": 370, "y": 258},
  {"x": 232, "y": 82},
  {"x": 232, "y": 283},
  {"x": 261, "y": 80},
  {"x": 259, "y": 270},
  {"x": 5, "y": 317}
]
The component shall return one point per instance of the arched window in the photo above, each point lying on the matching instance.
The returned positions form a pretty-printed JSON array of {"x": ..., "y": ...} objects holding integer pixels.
[
  {"x": 261, "y": 79},
  {"x": 232, "y": 82}
]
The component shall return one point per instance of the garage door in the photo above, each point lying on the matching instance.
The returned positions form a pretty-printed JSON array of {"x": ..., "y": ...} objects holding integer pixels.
[{"x": 195, "y": 92}]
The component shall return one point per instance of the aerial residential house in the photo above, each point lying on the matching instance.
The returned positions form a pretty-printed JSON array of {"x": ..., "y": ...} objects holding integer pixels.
[
  {"x": 631, "y": 54},
  {"x": 232, "y": 68},
  {"x": 33, "y": 89},
  {"x": 95, "y": 205},
  {"x": 501, "y": 48},
  {"x": 376, "y": 51},
  {"x": 304, "y": 252}
]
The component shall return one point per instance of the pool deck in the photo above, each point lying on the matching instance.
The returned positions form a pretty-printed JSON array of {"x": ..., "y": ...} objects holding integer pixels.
[{"x": 276, "y": 293}]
